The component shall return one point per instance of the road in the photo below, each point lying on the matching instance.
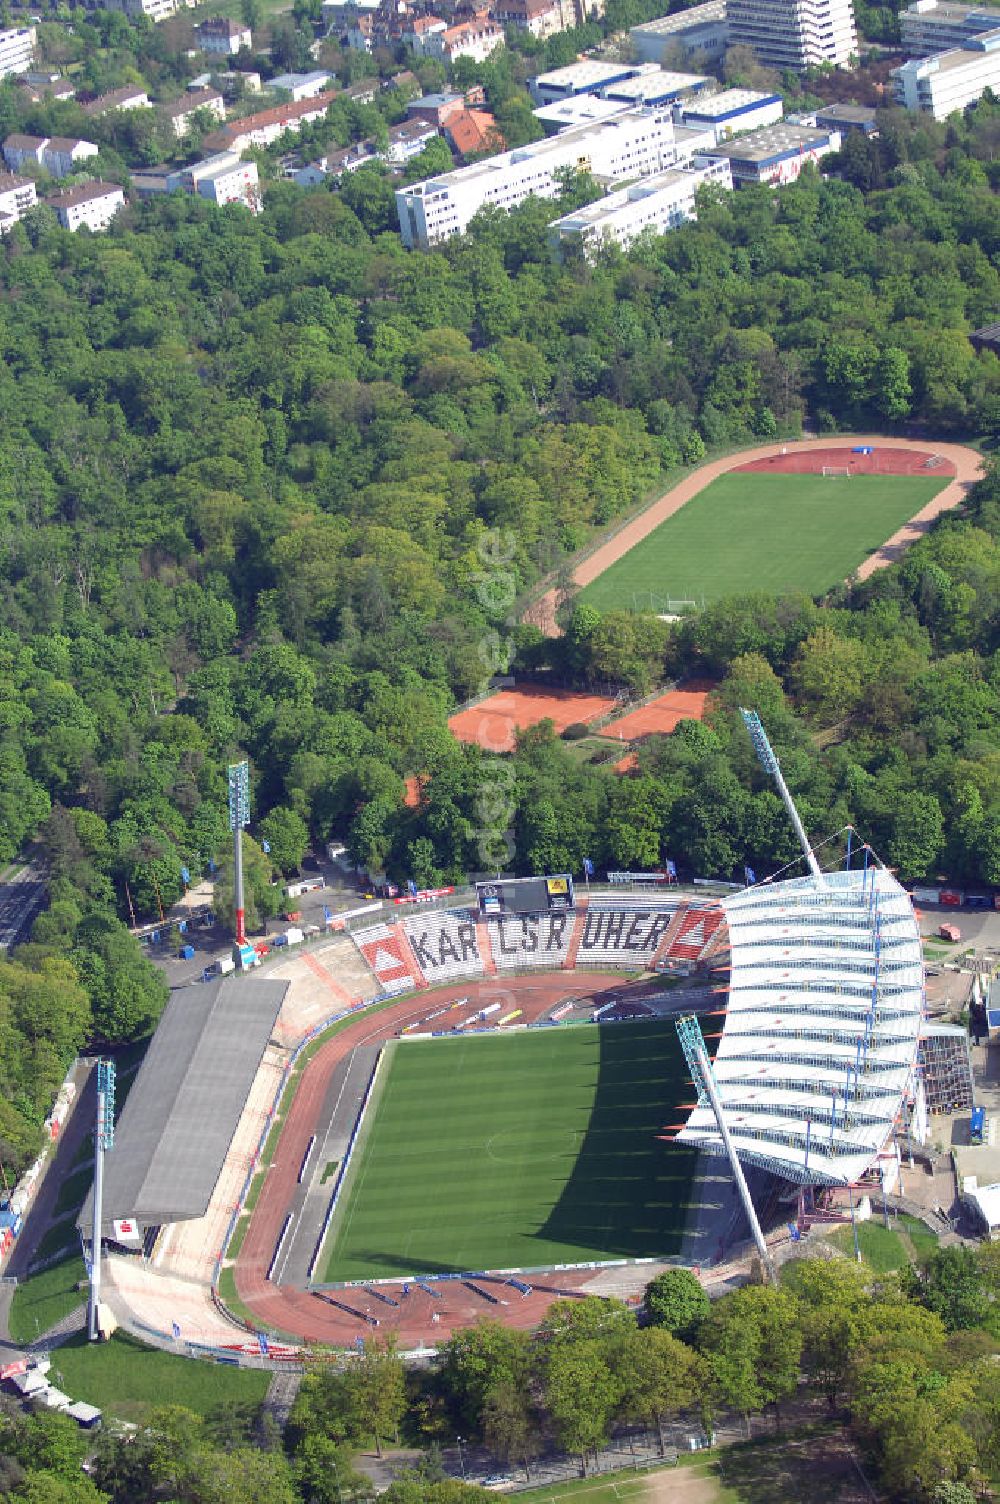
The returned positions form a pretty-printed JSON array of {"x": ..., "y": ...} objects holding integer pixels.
[{"x": 21, "y": 896}]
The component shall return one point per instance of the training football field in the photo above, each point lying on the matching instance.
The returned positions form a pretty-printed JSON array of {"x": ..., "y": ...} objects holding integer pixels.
[
  {"x": 778, "y": 533},
  {"x": 517, "y": 1151}
]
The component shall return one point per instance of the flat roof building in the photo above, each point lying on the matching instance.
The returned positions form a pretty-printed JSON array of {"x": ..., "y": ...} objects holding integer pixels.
[
  {"x": 659, "y": 203},
  {"x": 848, "y": 117},
  {"x": 734, "y": 110},
  {"x": 795, "y": 34},
  {"x": 701, "y": 28},
  {"x": 930, "y": 26},
  {"x": 581, "y": 109},
  {"x": 631, "y": 145},
  {"x": 586, "y": 76},
  {"x": 949, "y": 81},
  {"x": 777, "y": 154},
  {"x": 301, "y": 85},
  {"x": 658, "y": 86}
]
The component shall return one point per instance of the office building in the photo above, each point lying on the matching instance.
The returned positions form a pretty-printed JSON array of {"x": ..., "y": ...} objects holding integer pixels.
[
  {"x": 775, "y": 155},
  {"x": 658, "y": 86},
  {"x": 930, "y": 26},
  {"x": 795, "y": 34},
  {"x": 658, "y": 203},
  {"x": 586, "y": 76},
  {"x": 949, "y": 81},
  {"x": 701, "y": 29},
  {"x": 634, "y": 144},
  {"x": 734, "y": 110}
]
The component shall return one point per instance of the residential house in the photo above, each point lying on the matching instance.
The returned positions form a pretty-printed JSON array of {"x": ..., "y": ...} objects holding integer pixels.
[
  {"x": 473, "y": 131},
  {"x": 408, "y": 139},
  {"x": 224, "y": 36},
  {"x": 475, "y": 39},
  {"x": 131, "y": 97},
  {"x": 181, "y": 113},
  {"x": 265, "y": 127},
  {"x": 17, "y": 196}
]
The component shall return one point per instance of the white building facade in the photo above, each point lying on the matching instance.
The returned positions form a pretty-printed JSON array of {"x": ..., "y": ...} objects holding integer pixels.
[
  {"x": 699, "y": 29},
  {"x": 735, "y": 110},
  {"x": 930, "y": 26},
  {"x": 659, "y": 203},
  {"x": 795, "y": 34},
  {"x": 949, "y": 81},
  {"x": 776, "y": 155},
  {"x": 92, "y": 206},
  {"x": 634, "y": 144},
  {"x": 17, "y": 196},
  {"x": 17, "y": 47}
]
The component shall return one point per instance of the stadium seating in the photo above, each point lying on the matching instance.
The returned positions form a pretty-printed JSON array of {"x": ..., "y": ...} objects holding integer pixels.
[
  {"x": 696, "y": 929},
  {"x": 388, "y": 953},
  {"x": 522, "y": 942},
  {"x": 620, "y": 937},
  {"x": 445, "y": 944}
]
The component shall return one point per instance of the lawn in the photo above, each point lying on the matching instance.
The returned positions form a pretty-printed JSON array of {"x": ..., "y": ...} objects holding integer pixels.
[
  {"x": 43, "y": 1299},
  {"x": 881, "y": 1248},
  {"x": 518, "y": 1151},
  {"x": 762, "y": 532},
  {"x": 124, "y": 1378}
]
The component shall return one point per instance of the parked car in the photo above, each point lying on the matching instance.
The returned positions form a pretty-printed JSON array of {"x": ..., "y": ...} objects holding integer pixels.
[
  {"x": 291, "y": 915},
  {"x": 262, "y": 948}
]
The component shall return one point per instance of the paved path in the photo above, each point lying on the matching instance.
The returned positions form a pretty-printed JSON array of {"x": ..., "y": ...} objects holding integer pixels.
[{"x": 968, "y": 467}]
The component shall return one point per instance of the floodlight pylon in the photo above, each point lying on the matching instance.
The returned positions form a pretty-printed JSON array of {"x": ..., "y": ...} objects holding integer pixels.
[
  {"x": 104, "y": 1140},
  {"x": 769, "y": 762}
]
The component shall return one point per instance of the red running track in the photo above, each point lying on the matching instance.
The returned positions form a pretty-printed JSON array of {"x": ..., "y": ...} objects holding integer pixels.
[{"x": 306, "y": 1316}]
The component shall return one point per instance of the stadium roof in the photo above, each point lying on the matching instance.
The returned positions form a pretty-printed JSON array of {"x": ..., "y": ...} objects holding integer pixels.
[
  {"x": 820, "y": 1037},
  {"x": 185, "y": 1103}
]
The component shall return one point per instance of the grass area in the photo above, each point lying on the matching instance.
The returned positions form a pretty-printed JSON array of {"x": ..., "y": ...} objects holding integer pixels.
[
  {"x": 43, "y": 1299},
  {"x": 724, "y": 540},
  {"x": 881, "y": 1247},
  {"x": 125, "y": 1378},
  {"x": 923, "y": 1241},
  {"x": 523, "y": 1151},
  {"x": 605, "y": 1490},
  {"x": 59, "y": 1237}
]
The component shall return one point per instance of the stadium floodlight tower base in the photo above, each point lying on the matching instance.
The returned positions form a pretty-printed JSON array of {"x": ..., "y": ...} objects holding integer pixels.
[
  {"x": 104, "y": 1139},
  {"x": 696, "y": 1055}
]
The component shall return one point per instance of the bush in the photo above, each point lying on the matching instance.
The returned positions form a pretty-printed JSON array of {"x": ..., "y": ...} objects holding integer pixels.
[{"x": 575, "y": 732}]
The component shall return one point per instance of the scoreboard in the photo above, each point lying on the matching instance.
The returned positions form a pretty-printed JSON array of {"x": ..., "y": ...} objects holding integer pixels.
[{"x": 525, "y": 895}]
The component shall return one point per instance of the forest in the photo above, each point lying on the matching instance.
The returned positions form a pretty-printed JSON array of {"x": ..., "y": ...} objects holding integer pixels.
[
  {"x": 903, "y": 1363},
  {"x": 274, "y": 487}
]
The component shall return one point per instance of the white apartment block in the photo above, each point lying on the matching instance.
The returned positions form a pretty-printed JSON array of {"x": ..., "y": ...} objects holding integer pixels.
[
  {"x": 17, "y": 46},
  {"x": 92, "y": 206},
  {"x": 17, "y": 196},
  {"x": 658, "y": 203},
  {"x": 734, "y": 110},
  {"x": 153, "y": 10},
  {"x": 701, "y": 29},
  {"x": 949, "y": 81},
  {"x": 57, "y": 155},
  {"x": 300, "y": 85},
  {"x": 223, "y": 36},
  {"x": 930, "y": 26},
  {"x": 182, "y": 112},
  {"x": 230, "y": 183},
  {"x": 795, "y": 34},
  {"x": 634, "y": 144}
]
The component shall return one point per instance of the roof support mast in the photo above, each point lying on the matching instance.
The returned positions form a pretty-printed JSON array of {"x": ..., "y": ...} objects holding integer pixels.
[{"x": 769, "y": 763}]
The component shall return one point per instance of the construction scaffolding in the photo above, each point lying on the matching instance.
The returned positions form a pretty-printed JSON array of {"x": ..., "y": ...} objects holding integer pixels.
[{"x": 946, "y": 1068}]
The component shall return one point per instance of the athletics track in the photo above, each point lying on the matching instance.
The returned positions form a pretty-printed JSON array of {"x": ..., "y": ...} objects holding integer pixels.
[
  {"x": 801, "y": 456},
  {"x": 304, "y": 1315}
]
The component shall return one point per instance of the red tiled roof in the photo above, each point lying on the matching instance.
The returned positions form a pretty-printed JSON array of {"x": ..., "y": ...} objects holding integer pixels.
[{"x": 474, "y": 130}]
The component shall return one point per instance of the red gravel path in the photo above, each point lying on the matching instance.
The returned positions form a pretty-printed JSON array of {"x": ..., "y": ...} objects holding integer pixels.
[
  {"x": 967, "y": 469},
  {"x": 307, "y": 1315}
]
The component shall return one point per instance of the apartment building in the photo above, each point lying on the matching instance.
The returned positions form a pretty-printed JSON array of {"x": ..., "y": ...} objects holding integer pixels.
[
  {"x": 17, "y": 196},
  {"x": 473, "y": 39},
  {"x": 131, "y": 97},
  {"x": 264, "y": 128},
  {"x": 949, "y": 81},
  {"x": 795, "y": 34},
  {"x": 181, "y": 113},
  {"x": 224, "y": 37},
  {"x": 659, "y": 203},
  {"x": 56, "y": 155},
  {"x": 90, "y": 206},
  {"x": 153, "y": 10},
  {"x": 634, "y": 144},
  {"x": 17, "y": 47}
]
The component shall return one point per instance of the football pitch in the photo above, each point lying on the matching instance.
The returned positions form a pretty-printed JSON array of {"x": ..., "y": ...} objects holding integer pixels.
[
  {"x": 517, "y": 1151},
  {"x": 778, "y": 533}
]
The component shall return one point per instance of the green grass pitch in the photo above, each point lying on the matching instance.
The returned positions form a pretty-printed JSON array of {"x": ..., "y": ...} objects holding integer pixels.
[
  {"x": 778, "y": 533},
  {"x": 518, "y": 1151}
]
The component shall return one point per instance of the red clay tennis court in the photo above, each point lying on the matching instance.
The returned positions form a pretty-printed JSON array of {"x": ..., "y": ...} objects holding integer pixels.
[
  {"x": 662, "y": 715},
  {"x": 878, "y": 461},
  {"x": 493, "y": 723}
]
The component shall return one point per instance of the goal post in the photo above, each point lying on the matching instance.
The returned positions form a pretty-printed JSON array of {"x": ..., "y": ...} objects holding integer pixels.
[{"x": 837, "y": 471}]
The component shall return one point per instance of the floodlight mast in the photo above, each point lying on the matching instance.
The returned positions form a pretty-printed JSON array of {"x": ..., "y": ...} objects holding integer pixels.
[
  {"x": 239, "y": 816},
  {"x": 696, "y": 1055},
  {"x": 769, "y": 763},
  {"x": 104, "y": 1139}
]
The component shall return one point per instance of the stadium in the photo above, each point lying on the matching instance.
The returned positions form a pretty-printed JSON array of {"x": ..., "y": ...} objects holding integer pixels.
[{"x": 471, "y": 1104}]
